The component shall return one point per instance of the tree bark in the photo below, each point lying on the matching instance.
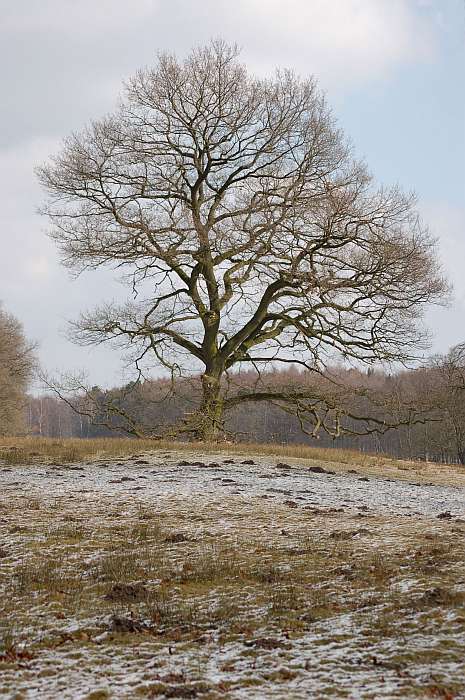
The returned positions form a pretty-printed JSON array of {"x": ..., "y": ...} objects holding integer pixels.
[{"x": 209, "y": 419}]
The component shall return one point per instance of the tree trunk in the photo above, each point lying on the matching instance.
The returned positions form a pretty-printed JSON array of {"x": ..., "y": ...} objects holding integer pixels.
[{"x": 209, "y": 421}]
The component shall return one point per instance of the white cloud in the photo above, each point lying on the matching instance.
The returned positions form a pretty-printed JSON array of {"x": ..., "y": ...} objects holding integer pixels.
[
  {"x": 28, "y": 254},
  {"x": 38, "y": 269},
  {"x": 85, "y": 17},
  {"x": 447, "y": 223},
  {"x": 33, "y": 286},
  {"x": 342, "y": 41}
]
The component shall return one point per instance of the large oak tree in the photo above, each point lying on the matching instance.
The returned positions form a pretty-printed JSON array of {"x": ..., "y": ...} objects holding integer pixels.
[{"x": 249, "y": 233}]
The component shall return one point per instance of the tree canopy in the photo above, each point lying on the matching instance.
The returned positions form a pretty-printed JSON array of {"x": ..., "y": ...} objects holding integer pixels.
[{"x": 248, "y": 232}]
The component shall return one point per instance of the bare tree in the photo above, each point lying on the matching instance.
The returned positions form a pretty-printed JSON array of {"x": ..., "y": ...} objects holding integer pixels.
[
  {"x": 247, "y": 231},
  {"x": 17, "y": 363},
  {"x": 444, "y": 386}
]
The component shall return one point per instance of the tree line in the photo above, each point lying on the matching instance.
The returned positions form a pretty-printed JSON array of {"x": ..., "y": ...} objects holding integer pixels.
[{"x": 413, "y": 414}]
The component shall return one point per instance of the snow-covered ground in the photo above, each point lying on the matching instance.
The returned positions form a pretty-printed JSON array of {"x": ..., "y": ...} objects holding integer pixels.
[
  {"x": 153, "y": 476},
  {"x": 260, "y": 505}
]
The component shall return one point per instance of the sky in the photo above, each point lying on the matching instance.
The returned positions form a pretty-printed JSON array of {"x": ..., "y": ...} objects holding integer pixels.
[{"x": 393, "y": 72}]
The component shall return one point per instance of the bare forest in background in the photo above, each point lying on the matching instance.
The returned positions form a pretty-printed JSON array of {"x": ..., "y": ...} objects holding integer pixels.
[{"x": 436, "y": 393}]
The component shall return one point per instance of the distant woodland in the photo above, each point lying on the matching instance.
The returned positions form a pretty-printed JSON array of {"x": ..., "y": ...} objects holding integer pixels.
[{"x": 428, "y": 404}]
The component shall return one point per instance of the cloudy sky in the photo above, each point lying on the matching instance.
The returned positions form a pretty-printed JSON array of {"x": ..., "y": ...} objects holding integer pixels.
[{"x": 393, "y": 71}]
